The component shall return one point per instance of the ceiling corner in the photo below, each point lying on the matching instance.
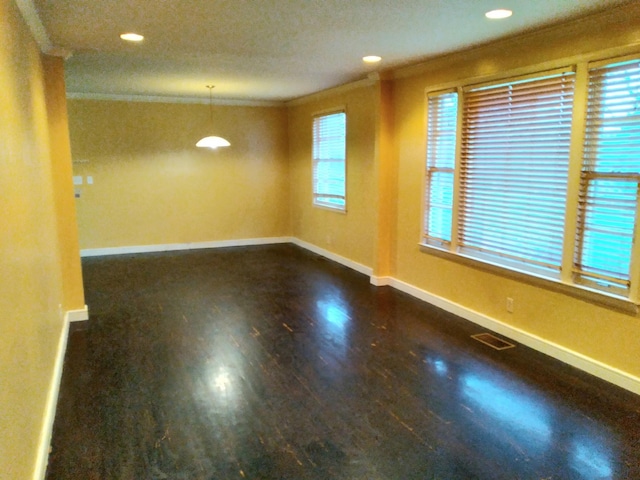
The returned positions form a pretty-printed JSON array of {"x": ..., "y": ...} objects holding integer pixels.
[{"x": 32, "y": 19}]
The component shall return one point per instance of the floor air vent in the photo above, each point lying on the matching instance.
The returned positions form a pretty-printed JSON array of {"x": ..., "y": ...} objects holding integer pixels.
[{"x": 493, "y": 341}]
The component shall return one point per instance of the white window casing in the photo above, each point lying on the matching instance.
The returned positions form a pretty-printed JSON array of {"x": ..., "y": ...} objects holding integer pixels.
[
  {"x": 329, "y": 160},
  {"x": 514, "y": 181}
]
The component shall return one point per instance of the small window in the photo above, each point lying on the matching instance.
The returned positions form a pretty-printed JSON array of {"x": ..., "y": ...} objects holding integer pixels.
[{"x": 329, "y": 160}]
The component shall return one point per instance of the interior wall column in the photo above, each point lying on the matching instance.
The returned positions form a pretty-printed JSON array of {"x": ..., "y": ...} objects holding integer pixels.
[
  {"x": 387, "y": 184},
  {"x": 62, "y": 175}
]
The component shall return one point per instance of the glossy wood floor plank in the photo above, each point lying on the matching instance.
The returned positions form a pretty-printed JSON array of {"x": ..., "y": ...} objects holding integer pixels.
[{"x": 272, "y": 363}]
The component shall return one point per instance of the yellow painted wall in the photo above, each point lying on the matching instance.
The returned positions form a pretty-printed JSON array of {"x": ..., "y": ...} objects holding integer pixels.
[
  {"x": 152, "y": 186},
  {"x": 351, "y": 234},
  {"x": 33, "y": 279},
  {"x": 597, "y": 332}
]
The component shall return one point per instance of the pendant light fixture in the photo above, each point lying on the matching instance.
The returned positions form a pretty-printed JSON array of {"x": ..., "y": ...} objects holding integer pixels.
[{"x": 212, "y": 142}]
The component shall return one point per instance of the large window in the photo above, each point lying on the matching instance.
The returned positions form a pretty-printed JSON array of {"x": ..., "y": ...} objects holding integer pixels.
[
  {"x": 509, "y": 203},
  {"x": 329, "y": 160},
  {"x": 514, "y": 164}
]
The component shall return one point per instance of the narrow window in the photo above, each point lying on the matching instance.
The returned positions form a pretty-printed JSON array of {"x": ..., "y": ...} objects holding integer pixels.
[
  {"x": 442, "y": 114},
  {"x": 513, "y": 172},
  {"x": 609, "y": 178},
  {"x": 329, "y": 160}
]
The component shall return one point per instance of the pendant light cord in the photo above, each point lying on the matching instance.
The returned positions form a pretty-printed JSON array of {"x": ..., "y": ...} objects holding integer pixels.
[
  {"x": 212, "y": 141},
  {"x": 211, "y": 87}
]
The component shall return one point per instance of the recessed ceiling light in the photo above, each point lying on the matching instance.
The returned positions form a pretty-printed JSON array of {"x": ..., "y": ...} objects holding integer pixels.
[
  {"x": 131, "y": 37},
  {"x": 499, "y": 13},
  {"x": 371, "y": 59}
]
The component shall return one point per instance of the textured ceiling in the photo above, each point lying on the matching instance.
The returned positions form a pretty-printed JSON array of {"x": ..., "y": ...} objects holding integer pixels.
[{"x": 270, "y": 50}]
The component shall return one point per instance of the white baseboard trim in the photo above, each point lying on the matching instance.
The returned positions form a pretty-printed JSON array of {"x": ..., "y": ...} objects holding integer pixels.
[
  {"x": 98, "y": 252},
  {"x": 575, "y": 359},
  {"x": 578, "y": 360},
  {"x": 358, "y": 267},
  {"x": 44, "y": 442},
  {"x": 78, "y": 315},
  {"x": 381, "y": 281}
]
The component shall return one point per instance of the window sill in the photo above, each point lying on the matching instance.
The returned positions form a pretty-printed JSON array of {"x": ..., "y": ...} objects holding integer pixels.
[
  {"x": 620, "y": 304},
  {"x": 331, "y": 209}
]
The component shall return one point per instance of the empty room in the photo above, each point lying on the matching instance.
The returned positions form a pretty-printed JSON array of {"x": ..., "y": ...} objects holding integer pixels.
[{"x": 320, "y": 240}]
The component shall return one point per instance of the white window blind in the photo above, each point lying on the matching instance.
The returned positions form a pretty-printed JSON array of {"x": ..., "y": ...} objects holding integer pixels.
[
  {"x": 610, "y": 176},
  {"x": 329, "y": 152},
  {"x": 514, "y": 167},
  {"x": 442, "y": 114}
]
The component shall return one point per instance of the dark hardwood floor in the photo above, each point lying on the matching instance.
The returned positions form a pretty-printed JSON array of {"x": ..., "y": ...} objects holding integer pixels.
[{"x": 272, "y": 363}]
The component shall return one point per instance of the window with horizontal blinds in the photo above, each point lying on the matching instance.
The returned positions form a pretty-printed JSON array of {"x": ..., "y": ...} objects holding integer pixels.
[
  {"x": 329, "y": 160},
  {"x": 610, "y": 178},
  {"x": 514, "y": 167},
  {"x": 442, "y": 114}
]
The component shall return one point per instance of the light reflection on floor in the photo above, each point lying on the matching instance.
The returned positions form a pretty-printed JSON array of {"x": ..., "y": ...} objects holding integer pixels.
[
  {"x": 514, "y": 414},
  {"x": 315, "y": 376},
  {"x": 511, "y": 411},
  {"x": 590, "y": 458},
  {"x": 333, "y": 323}
]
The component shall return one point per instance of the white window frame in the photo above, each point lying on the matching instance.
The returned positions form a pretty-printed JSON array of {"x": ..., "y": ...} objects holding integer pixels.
[
  {"x": 568, "y": 278},
  {"x": 504, "y": 160},
  {"x": 330, "y": 193},
  {"x": 440, "y": 171},
  {"x": 598, "y": 167}
]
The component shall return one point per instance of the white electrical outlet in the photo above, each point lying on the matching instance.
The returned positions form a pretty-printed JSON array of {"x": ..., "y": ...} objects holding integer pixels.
[{"x": 509, "y": 304}]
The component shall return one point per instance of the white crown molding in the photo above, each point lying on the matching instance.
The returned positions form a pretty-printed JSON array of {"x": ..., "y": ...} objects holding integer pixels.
[
  {"x": 39, "y": 32},
  {"x": 608, "y": 17},
  {"x": 367, "y": 82},
  {"x": 171, "y": 99}
]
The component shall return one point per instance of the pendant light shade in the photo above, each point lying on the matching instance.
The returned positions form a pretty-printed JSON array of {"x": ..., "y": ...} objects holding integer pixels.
[{"x": 212, "y": 141}]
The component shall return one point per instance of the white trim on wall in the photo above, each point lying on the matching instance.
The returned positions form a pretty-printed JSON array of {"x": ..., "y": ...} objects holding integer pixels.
[
  {"x": 575, "y": 359},
  {"x": 46, "y": 431},
  {"x": 380, "y": 281},
  {"x": 172, "y": 99},
  {"x": 565, "y": 355},
  {"x": 169, "y": 247},
  {"x": 358, "y": 267},
  {"x": 340, "y": 89},
  {"x": 78, "y": 315}
]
